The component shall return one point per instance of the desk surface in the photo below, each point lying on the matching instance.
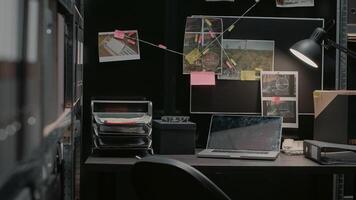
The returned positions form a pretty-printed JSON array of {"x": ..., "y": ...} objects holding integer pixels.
[{"x": 282, "y": 163}]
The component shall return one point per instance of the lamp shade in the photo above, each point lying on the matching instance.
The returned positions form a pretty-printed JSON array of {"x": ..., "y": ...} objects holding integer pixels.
[{"x": 309, "y": 50}]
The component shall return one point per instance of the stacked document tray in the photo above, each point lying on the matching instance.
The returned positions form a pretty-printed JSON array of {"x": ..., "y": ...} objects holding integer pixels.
[{"x": 122, "y": 128}]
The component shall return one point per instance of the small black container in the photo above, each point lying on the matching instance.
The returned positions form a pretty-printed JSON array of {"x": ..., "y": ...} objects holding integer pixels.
[{"x": 173, "y": 137}]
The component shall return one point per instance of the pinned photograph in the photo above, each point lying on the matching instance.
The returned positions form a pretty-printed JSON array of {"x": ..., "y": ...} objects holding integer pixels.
[
  {"x": 202, "y": 45},
  {"x": 279, "y": 96},
  {"x": 214, "y": 25},
  {"x": 192, "y": 53},
  {"x": 193, "y": 25},
  {"x": 211, "y": 55},
  {"x": 294, "y": 3},
  {"x": 118, "y": 46},
  {"x": 285, "y": 108},
  {"x": 245, "y": 59},
  {"x": 281, "y": 84}
]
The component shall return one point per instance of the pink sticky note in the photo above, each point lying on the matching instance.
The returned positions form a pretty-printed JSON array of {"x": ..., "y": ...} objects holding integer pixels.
[
  {"x": 276, "y": 100},
  {"x": 162, "y": 46},
  {"x": 202, "y": 78},
  {"x": 119, "y": 34}
]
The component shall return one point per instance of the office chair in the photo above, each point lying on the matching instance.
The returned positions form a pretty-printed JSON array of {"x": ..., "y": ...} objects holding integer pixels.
[{"x": 156, "y": 178}]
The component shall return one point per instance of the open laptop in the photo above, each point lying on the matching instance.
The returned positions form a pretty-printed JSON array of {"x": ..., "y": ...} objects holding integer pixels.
[{"x": 245, "y": 137}]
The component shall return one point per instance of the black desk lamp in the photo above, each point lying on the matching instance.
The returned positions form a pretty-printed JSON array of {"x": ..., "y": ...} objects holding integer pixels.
[{"x": 309, "y": 50}]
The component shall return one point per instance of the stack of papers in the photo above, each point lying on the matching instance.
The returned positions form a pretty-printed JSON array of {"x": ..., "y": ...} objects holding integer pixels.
[
  {"x": 292, "y": 147},
  {"x": 122, "y": 121}
]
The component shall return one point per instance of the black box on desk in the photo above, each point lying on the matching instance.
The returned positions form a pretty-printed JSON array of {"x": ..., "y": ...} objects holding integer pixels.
[
  {"x": 335, "y": 116},
  {"x": 173, "y": 137}
]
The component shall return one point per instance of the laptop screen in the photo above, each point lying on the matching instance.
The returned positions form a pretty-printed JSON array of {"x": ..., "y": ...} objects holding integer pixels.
[{"x": 259, "y": 133}]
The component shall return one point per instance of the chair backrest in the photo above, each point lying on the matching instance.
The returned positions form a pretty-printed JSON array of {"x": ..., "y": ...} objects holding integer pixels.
[{"x": 156, "y": 178}]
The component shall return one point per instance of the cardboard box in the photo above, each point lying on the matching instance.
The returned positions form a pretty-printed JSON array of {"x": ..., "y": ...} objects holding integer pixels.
[{"x": 335, "y": 116}]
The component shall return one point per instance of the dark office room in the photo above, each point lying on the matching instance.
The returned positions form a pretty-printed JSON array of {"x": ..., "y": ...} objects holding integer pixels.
[{"x": 178, "y": 100}]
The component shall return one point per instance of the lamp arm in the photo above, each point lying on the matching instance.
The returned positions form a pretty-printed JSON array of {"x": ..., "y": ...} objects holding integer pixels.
[{"x": 341, "y": 48}]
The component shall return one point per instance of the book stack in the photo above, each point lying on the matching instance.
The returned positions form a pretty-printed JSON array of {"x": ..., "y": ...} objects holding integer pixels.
[{"x": 122, "y": 128}]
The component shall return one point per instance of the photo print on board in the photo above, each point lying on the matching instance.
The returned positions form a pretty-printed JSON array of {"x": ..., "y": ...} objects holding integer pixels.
[
  {"x": 202, "y": 45},
  {"x": 245, "y": 59},
  {"x": 279, "y": 96},
  {"x": 294, "y": 3},
  {"x": 122, "y": 48}
]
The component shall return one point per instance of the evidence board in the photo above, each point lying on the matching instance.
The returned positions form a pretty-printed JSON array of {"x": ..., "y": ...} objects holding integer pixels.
[{"x": 243, "y": 97}]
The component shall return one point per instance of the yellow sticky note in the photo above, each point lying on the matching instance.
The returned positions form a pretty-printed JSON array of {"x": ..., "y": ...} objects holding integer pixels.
[
  {"x": 231, "y": 28},
  {"x": 193, "y": 56},
  {"x": 205, "y": 51},
  {"x": 316, "y": 94},
  {"x": 233, "y": 61},
  {"x": 247, "y": 75},
  {"x": 208, "y": 22}
]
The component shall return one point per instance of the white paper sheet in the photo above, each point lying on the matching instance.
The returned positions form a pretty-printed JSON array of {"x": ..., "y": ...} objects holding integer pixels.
[{"x": 294, "y": 3}]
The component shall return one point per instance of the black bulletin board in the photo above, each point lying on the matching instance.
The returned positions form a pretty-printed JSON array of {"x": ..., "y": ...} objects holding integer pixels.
[{"x": 230, "y": 96}]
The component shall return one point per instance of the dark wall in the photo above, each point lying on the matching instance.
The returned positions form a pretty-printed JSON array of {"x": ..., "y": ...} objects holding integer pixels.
[
  {"x": 158, "y": 75},
  {"x": 139, "y": 78}
]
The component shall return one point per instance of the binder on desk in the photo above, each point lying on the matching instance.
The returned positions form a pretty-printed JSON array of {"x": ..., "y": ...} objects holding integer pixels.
[{"x": 329, "y": 153}]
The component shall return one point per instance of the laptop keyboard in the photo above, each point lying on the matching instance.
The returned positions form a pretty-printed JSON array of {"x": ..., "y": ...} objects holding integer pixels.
[{"x": 239, "y": 151}]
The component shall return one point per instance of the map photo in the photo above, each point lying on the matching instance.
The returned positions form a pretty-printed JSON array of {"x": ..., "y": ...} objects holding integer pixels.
[{"x": 245, "y": 59}]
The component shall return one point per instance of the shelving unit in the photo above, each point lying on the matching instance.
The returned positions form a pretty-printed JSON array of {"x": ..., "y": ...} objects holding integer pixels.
[
  {"x": 44, "y": 92},
  {"x": 74, "y": 25}
]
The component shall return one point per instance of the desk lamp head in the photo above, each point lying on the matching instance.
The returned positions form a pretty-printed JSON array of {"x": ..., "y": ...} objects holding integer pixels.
[{"x": 309, "y": 50}]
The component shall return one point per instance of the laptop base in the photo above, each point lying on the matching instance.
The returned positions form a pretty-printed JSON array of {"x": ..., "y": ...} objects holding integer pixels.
[{"x": 267, "y": 155}]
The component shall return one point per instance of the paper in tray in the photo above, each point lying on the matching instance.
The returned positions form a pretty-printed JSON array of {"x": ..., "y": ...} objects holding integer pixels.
[
  {"x": 124, "y": 141},
  {"x": 122, "y": 130},
  {"x": 120, "y": 119},
  {"x": 117, "y": 151}
]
